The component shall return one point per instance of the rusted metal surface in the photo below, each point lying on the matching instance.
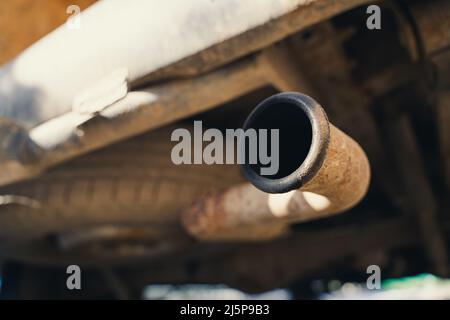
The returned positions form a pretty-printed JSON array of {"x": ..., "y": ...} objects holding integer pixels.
[
  {"x": 311, "y": 12},
  {"x": 333, "y": 61},
  {"x": 262, "y": 266},
  {"x": 380, "y": 83},
  {"x": 280, "y": 66},
  {"x": 130, "y": 185},
  {"x": 334, "y": 177},
  {"x": 347, "y": 100},
  {"x": 433, "y": 22},
  {"x": 46, "y": 81},
  {"x": 44, "y": 100},
  {"x": 410, "y": 168},
  {"x": 75, "y": 133}
]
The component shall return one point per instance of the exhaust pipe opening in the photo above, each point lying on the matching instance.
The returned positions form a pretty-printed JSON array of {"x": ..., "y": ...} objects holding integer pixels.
[
  {"x": 328, "y": 170},
  {"x": 303, "y": 140}
]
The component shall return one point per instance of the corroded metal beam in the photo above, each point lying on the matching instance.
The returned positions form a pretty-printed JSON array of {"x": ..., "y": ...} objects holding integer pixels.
[{"x": 76, "y": 133}]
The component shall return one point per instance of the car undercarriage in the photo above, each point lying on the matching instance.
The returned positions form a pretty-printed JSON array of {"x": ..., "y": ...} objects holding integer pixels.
[{"x": 94, "y": 185}]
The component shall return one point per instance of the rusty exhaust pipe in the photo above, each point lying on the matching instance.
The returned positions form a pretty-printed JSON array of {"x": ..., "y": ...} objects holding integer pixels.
[{"x": 322, "y": 172}]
